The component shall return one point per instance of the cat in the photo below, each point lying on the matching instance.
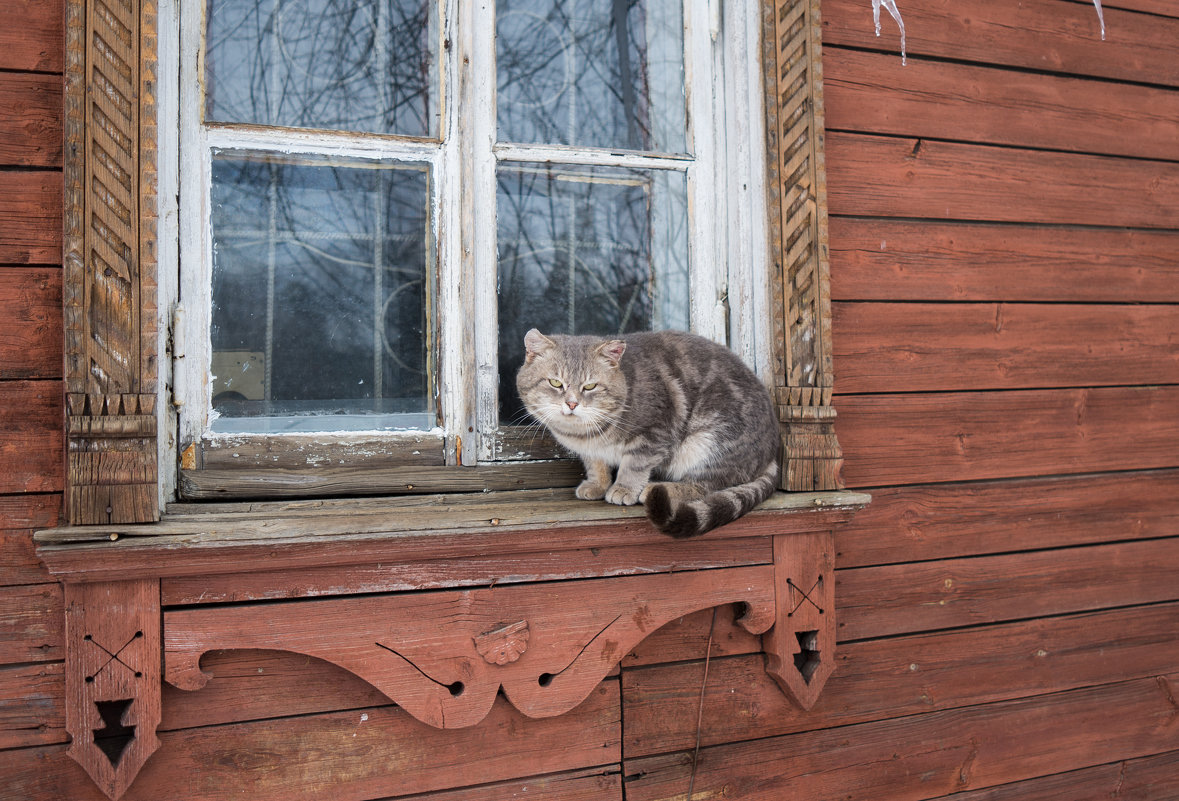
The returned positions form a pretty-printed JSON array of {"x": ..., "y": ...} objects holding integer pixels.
[{"x": 668, "y": 406}]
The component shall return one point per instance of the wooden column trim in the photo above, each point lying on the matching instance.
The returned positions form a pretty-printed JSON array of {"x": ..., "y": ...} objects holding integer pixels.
[
  {"x": 109, "y": 289},
  {"x": 801, "y": 297}
]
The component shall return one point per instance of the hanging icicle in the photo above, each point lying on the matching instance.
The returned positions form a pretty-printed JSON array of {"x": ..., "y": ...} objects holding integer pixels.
[
  {"x": 1100, "y": 17},
  {"x": 896, "y": 15}
]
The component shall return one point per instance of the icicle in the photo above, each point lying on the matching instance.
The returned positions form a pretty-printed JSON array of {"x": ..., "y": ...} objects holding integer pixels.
[
  {"x": 891, "y": 6},
  {"x": 1100, "y": 18}
]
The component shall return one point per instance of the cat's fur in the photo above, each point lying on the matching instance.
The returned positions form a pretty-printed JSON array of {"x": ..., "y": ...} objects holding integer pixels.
[{"x": 664, "y": 406}]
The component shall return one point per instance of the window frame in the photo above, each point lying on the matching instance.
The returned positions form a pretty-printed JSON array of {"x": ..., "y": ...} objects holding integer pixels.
[{"x": 120, "y": 434}]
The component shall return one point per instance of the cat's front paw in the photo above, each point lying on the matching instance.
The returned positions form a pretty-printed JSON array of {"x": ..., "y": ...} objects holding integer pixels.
[
  {"x": 590, "y": 491},
  {"x": 623, "y": 496}
]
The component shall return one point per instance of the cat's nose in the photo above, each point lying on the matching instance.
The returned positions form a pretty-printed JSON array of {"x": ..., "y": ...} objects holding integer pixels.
[{"x": 572, "y": 404}]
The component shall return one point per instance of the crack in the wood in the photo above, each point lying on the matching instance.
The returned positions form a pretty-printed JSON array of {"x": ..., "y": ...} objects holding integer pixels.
[
  {"x": 1165, "y": 685},
  {"x": 454, "y": 688},
  {"x": 546, "y": 678},
  {"x": 964, "y": 771}
]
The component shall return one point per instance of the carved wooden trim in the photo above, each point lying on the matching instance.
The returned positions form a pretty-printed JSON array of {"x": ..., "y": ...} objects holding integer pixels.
[
  {"x": 110, "y": 272},
  {"x": 811, "y": 456},
  {"x": 113, "y": 678}
]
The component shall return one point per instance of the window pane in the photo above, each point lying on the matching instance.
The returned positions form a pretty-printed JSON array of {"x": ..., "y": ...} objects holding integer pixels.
[
  {"x": 587, "y": 250},
  {"x": 320, "y": 295},
  {"x": 594, "y": 73},
  {"x": 356, "y": 65}
]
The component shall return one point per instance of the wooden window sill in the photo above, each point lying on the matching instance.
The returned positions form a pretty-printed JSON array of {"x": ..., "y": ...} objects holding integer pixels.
[{"x": 531, "y": 593}]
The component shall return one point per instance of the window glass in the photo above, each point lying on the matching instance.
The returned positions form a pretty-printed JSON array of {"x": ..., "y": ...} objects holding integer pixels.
[
  {"x": 355, "y": 65},
  {"x": 320, "y": 294},
  {"x": 591, "y": 73}
]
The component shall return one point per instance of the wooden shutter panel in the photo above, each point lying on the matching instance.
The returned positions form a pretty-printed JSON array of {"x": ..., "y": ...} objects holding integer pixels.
[
  {"x": 798, "y": 228},
  {"x": 110, "y": 270}
]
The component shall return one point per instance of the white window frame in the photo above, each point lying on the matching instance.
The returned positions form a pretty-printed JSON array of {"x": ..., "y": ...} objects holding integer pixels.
[{"x": 726, "y": 201}]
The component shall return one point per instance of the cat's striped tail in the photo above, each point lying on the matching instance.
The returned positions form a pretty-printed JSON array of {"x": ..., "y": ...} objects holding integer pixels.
[{"x": 690, "y": 517}]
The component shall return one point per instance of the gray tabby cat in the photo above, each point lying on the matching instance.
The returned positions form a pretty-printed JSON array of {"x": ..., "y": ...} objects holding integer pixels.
[{"x": 676, "y": 408}]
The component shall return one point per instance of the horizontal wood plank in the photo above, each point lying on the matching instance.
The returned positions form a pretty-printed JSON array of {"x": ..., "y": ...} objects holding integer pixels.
[
  {"x": 590, "y": 784},
  {"x": 874, "y": 259},
  {"x": 31, "y": 133},
  {"x": 378, "y": 752},
  {"x": 18, "y": 561},
  {"x": 25, "y": 512},
  {"x": 924, "y": 596},
  {"x": 31, "y": 436},
  {"x": 897, "y": 676},
  {"x": 32, "y": 35},
  {"x": 32, "y": 705},
  {"x": 31, "y": 623},
  {"x": 904, "y": 177},
  {"x": 947, "y": 437},
  {"x": 875, "y": 93},
  {"x": 1047, "y": 35},
  {"x": 930, "y": 755},
  {"x": 31, "y": 337},
  {"x": 30, "y": 217},
  {"x": 939, "y": 521},
  {"x": 1146, "y": 779},
  {"x": 922, "y": 347}
]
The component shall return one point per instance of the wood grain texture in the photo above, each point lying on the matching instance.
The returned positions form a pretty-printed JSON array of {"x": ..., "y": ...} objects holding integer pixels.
[
  {"x": 30, "y": 120},
  {"x": 591, "y": 784},
  {"x": 905, "y": 177},
  {"x": 31, "y": 623},
  {"x": 32, "y": 709},
  {"x": 30, "y": 217},
  {"x": 31, "y": 35},
  {"x": 27, "y": 512},
  {"x": 904, "y": 260},
  {"x": 899, "y": 676},
  {"x": 1048, "y": 35},
  {"x": 916, "y": 347},
  {"x": 875, "y": 93},
  {"x": 30, "y": 339},
  {"x": 31, "y": 436},
  {"x": 944, "y": 437},
  {"x": 353, "y": 755},
  {"x": 930, "y": 755},
  {"x": 18, "y": 562},
  {"x": 923, "y": 596},
  {"x": 939, "y": 521}
]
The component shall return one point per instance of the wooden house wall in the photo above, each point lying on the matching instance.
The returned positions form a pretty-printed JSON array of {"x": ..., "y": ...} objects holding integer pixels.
[{"x": 1005, "y": 280}]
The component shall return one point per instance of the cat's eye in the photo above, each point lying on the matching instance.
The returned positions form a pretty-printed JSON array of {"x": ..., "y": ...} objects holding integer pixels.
[
  {"x": 555, "y": 384},
  {"x": 590, "y": 386}
]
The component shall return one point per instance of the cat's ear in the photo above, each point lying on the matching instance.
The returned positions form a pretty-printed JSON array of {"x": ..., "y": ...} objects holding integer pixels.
[
  {"x": 536, "y": 343},
  {"x": 612, "y": 351}
]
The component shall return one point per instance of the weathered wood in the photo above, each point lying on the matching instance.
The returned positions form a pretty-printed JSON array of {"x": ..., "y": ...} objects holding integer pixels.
[
  {"x": 317, "y": 452},
  {"x": 903, "y": 177},
  {"x": 924, "y": 756},
  {"x": 1146, "y": 779},
  {"x": 898, "y": 599},
  {"x": 1047, "y": 35},
  {"x": 899, "y": 676},
  {"x": 945, "y": 520},
  {"x": 396, "y": 530},
  {"x": 30, "y": 339},
  {"x": 967, "y": 436},
  {"x": 18, "y": 562},
  {"x": 112, "y": 678},
  {"x": 591, "y": 784},
  {"x": 30, "y": 217},
  {"x": 902, "y": 260},
  {"x": 31, "y": 35},
  {"x": 30, "y": 120},
  {"x": 351, "y": 756},
  {"x": 444, "y": 656},
  {"x": 30, "y": 436},
  {"x": 221, "y": 484},
  {"x": 32, "y": 708},
  {"x": 109, "y": 282},
  {"x": 875, "y": 93},
  {"x": 883, "y": 347},
  {"x": 27, "y": 512},
  {"x": 479, "y": 570},
  {"x": 31, "y": 623}
]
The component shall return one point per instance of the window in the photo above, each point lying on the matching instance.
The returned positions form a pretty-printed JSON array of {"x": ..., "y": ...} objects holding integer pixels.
[{"x": 379, "y": 197}]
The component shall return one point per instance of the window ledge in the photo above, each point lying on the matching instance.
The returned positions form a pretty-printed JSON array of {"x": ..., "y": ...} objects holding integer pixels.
[{"x": 533, "y": 594}]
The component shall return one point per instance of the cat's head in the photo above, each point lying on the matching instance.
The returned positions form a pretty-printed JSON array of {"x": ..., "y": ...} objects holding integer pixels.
[{"x": 574, "y": 385}]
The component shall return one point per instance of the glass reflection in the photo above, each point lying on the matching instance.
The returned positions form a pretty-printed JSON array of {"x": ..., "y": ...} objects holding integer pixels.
[
  {"x": 354, "y": 65},
  {"x": 587, "y": 250},
  {"x": 593, "y": 73},
  {"x": 320, "y": 294}
]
